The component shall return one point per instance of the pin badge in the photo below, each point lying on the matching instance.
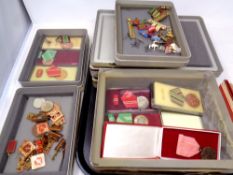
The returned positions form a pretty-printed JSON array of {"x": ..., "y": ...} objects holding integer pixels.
[
  {"x": 38, "y": 161},
  {"x": 141, "y": 119},
  {"x": 192, "y": 100}
]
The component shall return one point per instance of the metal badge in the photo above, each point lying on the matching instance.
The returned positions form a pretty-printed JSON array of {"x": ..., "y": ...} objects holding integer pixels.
[
  {"x": 47, "y": 106},
  {"x": 141, "y": 119},
  {"x": 177, "y": 96},
  {"x": 40, "y": 128},
  {"x": 125, "y": 117},
  {"x": 60, "y": 147},
  {"x": 38, "y": 161},
  {"x": 11, "y": 146},
  {"x": 37, "y": 102},
  {"x": 208, "y": 153},
  {"x": 26, "y": 148},
  {"x": 55, "y": 113},
  {"x": 192, "y": 100},
  {"x": 131, "y": 30},
  {"x": 143, "y": 102}
]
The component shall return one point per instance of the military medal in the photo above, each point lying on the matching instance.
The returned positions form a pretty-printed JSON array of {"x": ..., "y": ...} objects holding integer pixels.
[
  {"x": 192, "y": 100},
  {"x": 141, "y": 119},
  {"x": 177, "y": 96},
  {"x": 143, "y": 102},
  {"x": 208, "y": 153}
]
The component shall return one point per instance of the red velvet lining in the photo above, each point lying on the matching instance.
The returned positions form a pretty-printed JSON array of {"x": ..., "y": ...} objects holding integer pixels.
[
  {"x": 64, "y": 57},
  {"x": 153, "y": 118},
  {"x": 119, "y": 92},
  {"x": 170, "y": 138}
]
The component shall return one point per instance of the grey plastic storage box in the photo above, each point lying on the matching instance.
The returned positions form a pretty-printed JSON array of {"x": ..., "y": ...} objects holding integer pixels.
[
  {"x": 82, "y": 66},
  {"x": 19, "y": 128},
  {"x": 204, "y": 58},
  {"x": 129, "y": 56},
  {"x": 215, "y": 117}
]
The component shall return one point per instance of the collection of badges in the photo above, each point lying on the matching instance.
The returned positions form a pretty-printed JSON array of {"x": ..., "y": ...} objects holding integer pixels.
[
  {"x": 145, "y": 107},
  {"x": 48, "y": 124},
  {"x": 161, "y": 35},
  {"x": 57, "y": 59}
]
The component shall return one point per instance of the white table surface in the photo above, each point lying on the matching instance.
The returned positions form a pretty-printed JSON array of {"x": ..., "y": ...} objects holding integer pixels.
[{"x": 217, "y": 15}]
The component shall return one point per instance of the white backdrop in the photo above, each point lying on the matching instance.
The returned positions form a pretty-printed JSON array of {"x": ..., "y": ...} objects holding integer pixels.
[{"x": 217, "y": 14}]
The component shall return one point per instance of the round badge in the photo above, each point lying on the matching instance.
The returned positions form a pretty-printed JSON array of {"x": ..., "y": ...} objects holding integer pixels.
[
  {"x": 38, "y": 102},
  {"x": 143, "y": 102},
  {"x": 63, "y": 75},
  {"x": 192, "y": 100},
  {"x": 141, "y": 119},
  {"x": 208, "y": 153},
  {"x": 47, "y": 106}
]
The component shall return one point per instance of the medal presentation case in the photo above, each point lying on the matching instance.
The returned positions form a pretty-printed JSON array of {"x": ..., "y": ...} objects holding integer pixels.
[{"x": 214, "y": 118}]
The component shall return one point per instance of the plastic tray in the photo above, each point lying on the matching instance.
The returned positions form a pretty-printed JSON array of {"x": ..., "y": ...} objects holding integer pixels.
[
  {"x": 34, "y": 51},
  {"x": 215, "y": 117},
  {"x": 129, "y": 56},
  {"x": 19, "y": 128},
  {"x": 102, "y": 53}
]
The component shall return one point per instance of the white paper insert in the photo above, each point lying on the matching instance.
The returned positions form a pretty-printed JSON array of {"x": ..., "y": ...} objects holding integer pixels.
[
  {"x": 132, "y": 141},
  {"x": 181, "y": 120}
]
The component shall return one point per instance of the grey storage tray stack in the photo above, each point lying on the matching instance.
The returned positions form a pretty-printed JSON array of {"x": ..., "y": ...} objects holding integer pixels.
[
  {"x": 69, "y": 94},
  {"x": 215, "y": 117},
  {"x": 112, "y": 65},
  {"x": 34, "y": 51},
  {"x": 19, "y": 128},
  {"x": 204, "y": 57}
]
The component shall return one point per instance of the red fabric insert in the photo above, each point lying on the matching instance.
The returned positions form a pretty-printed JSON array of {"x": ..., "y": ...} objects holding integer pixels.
[
  {"x": 170, "y": 138},
  {"x": 64, "y": 58},
  {"x": 153, "y": 118},
  {"x": 113, "y": 93}
]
